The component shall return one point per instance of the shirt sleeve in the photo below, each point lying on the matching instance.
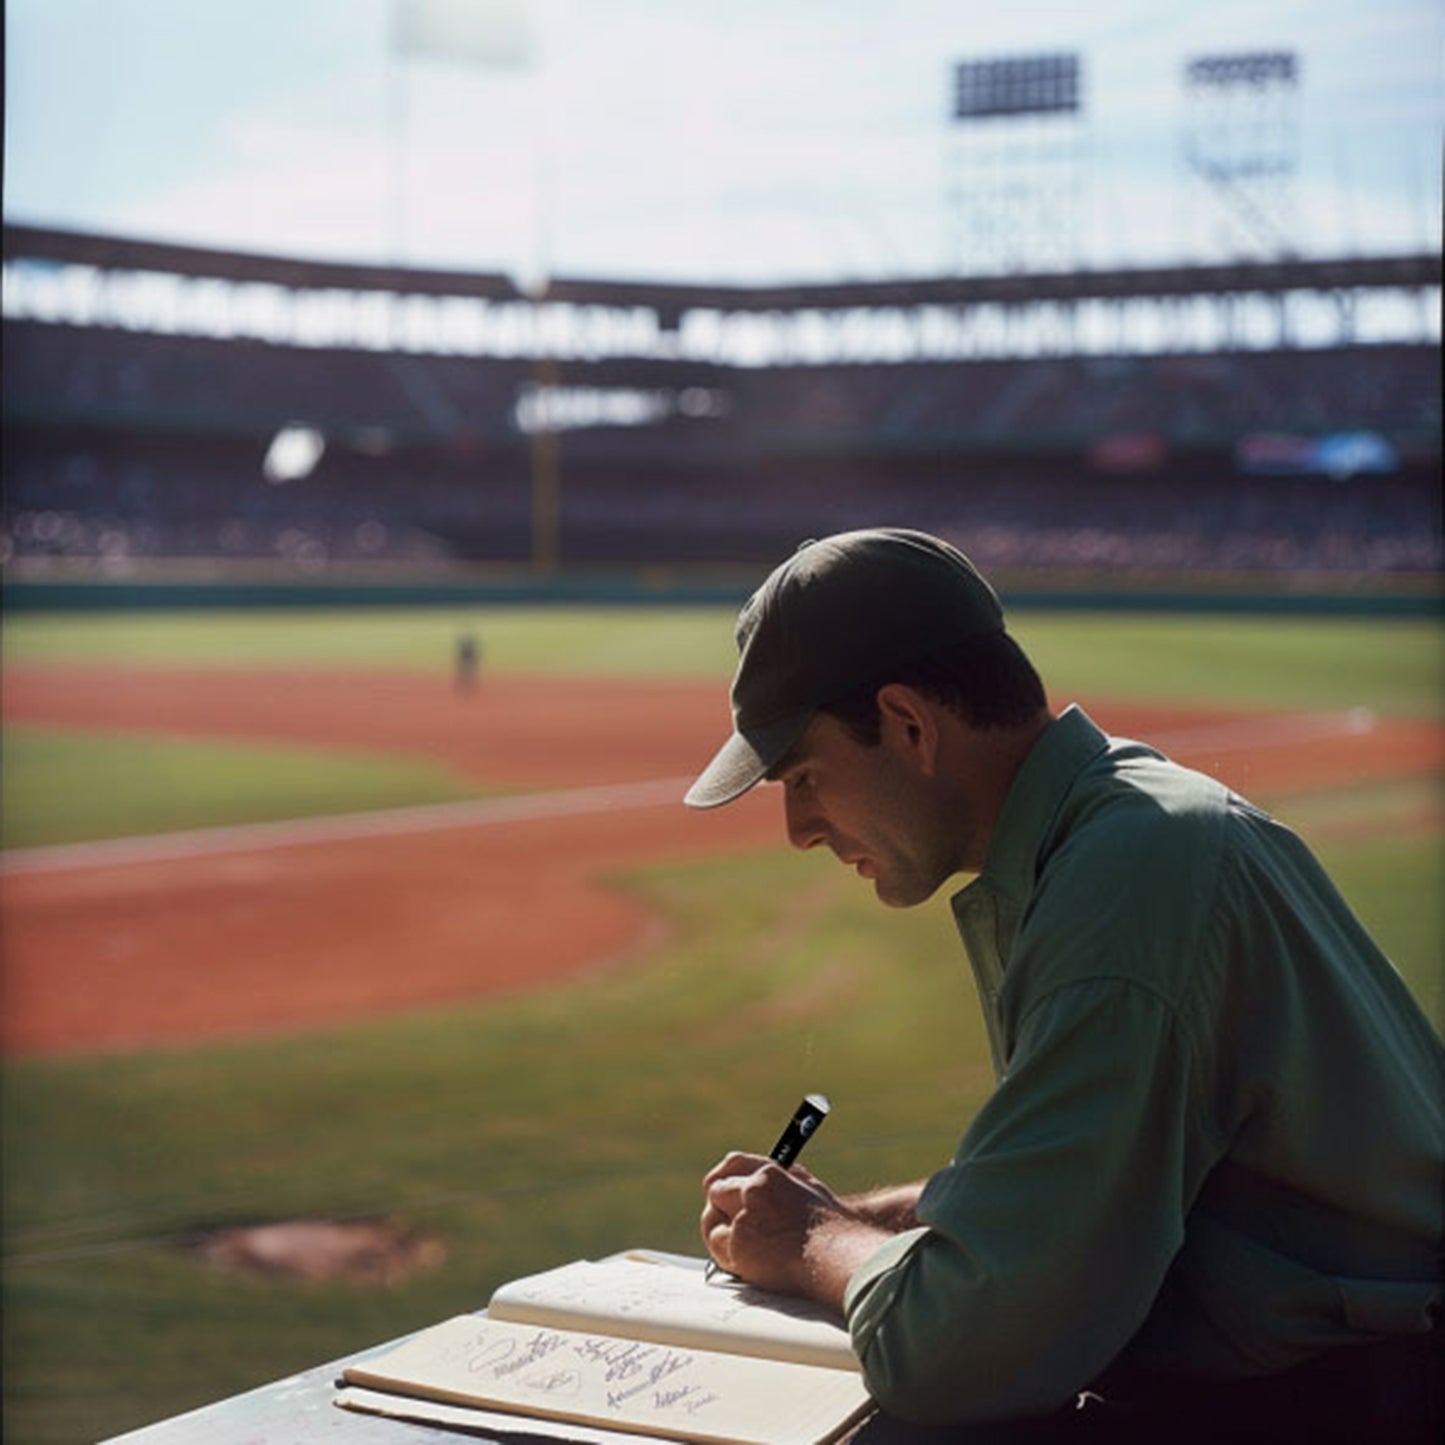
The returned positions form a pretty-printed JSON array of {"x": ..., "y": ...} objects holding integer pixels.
[{"x": 1047, "y": 1239}]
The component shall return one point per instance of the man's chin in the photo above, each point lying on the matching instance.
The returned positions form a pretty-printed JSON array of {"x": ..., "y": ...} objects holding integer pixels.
[{"x": 893, "y": 896}]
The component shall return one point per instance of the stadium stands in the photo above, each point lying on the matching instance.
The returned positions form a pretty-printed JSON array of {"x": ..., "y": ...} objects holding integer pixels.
[{"x": 125, "y": 445}]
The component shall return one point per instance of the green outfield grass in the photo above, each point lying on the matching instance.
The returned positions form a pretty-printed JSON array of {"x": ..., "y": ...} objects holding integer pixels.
[
  {"x": 1395, "y": 666},
  {"x": 603, "y": 640},
  {"x": 535, "y": 1129}
]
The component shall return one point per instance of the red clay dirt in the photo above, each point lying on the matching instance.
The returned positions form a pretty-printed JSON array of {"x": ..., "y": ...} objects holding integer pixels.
[{"x": 259, "y": 939}]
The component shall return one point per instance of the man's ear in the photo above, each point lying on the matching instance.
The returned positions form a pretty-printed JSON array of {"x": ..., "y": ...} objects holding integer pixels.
[{"x": 910, "y": 724}]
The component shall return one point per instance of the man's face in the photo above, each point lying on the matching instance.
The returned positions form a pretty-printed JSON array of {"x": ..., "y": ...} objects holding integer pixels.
[{"x": 872, "y": 806}]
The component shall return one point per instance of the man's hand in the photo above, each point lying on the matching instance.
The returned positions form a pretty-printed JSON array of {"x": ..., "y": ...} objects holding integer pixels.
[
  {"x": 757, "y": 1216},
  {"x": 783, "y": 1229}
]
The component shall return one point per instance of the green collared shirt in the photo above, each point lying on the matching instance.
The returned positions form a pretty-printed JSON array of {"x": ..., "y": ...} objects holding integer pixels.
[{"x": 1217, "y": 1144}]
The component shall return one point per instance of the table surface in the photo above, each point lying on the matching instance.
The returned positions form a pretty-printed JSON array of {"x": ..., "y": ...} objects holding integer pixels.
[
  {"x": 298, "y": 1411},
  {"x": 293, "y": 1411}
]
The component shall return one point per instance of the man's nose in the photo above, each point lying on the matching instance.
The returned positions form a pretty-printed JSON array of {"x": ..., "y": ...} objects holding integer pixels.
[{"x": 805, "y": 825}]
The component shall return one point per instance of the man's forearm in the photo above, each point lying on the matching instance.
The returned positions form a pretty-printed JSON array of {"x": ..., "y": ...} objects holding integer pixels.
[
  {"x": 834, "y": 1248},
  {"x": 892, "y": 1208}
]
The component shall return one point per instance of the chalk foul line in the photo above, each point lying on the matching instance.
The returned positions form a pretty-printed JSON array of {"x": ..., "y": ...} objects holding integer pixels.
[
  {"x": 1243, "y": 734},
  {"x": 346, "y": 827},
  {"x": 1213, "y": 739}
]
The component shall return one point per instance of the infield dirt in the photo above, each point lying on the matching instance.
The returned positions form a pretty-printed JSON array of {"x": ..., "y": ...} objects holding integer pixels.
[{"x": 290, "y": 933}]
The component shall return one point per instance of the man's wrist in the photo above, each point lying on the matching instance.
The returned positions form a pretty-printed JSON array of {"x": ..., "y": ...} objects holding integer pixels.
[{"x": 834, "y": 1247}]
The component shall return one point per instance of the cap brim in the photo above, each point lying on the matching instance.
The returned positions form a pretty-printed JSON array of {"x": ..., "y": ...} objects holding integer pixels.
[{"x": 744, "y": 761}]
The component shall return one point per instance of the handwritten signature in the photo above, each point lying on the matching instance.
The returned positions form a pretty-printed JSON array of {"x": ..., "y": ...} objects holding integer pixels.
[{"x": 630, "y": 1373}]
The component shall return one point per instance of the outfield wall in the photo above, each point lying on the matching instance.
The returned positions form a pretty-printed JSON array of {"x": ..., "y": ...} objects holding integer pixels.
[{"x": 1219, "y": 595}]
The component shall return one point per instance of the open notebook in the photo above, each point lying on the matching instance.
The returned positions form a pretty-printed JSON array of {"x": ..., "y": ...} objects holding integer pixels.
[{"x": 639, "y": 1343}]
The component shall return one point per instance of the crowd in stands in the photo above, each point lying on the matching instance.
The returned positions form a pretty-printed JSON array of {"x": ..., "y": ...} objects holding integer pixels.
[
  {"x": 1182, "y": 399},
  {"x": 1011, "y": 516},
  {"x": 122, "y": 448}
]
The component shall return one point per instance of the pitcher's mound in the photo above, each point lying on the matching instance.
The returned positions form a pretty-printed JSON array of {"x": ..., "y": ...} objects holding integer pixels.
[{"x": 363, "y": 1252}]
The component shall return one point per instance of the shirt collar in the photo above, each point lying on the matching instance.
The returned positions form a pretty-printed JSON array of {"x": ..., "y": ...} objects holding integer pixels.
[{"x": 1063, "y": 749}]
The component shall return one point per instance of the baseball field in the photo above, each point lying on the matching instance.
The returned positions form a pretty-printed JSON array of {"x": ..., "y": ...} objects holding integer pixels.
[{"x": 297, "y": 928}]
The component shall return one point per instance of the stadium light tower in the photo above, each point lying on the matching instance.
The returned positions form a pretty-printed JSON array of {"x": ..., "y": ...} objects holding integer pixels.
[
  {"x": 1241, "y": 144},
  {"x": 1016, "y": 163}
]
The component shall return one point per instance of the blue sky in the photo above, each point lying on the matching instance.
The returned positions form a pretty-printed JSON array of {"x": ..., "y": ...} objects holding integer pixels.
[{"x": 756, "y": 140}]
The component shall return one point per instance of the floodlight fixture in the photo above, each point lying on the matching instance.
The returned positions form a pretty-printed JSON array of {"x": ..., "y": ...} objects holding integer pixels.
[
  {"x": 1016, "y": 85},
  {"x": 1264, "y": 67}
]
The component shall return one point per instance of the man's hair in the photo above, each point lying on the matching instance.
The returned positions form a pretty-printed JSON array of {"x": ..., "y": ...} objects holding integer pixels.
[{"x": 987, "y": 681}]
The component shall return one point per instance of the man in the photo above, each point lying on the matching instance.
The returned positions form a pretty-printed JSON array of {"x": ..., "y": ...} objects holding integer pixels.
[{"x": 1207, "y": 1190}]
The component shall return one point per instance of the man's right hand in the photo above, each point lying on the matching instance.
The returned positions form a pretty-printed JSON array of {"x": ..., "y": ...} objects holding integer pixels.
[
  {"x": 784, "y": 1229},
  {"x": 757, "y": 1216}
]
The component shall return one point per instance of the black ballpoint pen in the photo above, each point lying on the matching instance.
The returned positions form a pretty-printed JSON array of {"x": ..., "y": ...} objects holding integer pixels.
[
  {"x": 811, "y": 1112},
  {"x": 801, "y": 1127}
]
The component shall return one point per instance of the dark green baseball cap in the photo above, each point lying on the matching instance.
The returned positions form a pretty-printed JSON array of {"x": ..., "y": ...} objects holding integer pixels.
[{"x": 840, "y": 614}]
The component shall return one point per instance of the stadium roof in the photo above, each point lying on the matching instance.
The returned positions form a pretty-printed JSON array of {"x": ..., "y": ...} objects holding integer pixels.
[
  {"x": 672, "y": 299},
  {"x": 124, "y": 254}
]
